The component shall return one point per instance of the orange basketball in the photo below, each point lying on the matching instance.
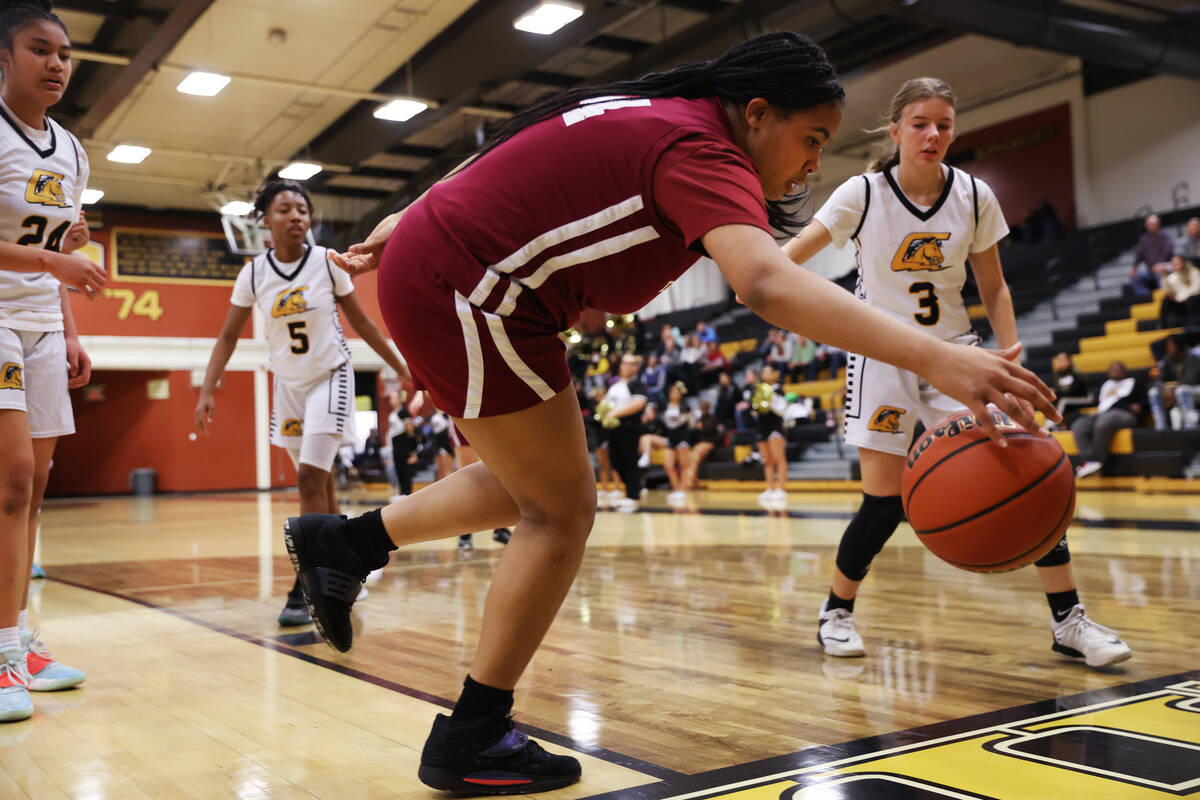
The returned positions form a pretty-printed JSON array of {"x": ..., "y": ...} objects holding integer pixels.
[{"x": 983, "y": 507}]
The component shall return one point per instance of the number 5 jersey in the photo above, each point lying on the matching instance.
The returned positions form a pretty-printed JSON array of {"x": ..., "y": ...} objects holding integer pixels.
[
  {"x": 42, "y": 178},
  {"x": 299, "y": 303}
]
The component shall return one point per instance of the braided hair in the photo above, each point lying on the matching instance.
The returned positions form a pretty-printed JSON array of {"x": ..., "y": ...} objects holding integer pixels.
[
  {"x": 788, "y": 70},
  {"x": 16, "y": 14},
  {"x": 267, "y": 195}
]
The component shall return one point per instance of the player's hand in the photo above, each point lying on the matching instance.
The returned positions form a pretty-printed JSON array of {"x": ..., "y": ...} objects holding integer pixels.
[
  {"x": 77, "y": 235},
  {"x": 79, "y": 366},
  {"x": 204, "y": 412},
  {"x": 976, "y": 377},
  {"x": 74, "y": 271},
  {"x": 354, "y": 263}
]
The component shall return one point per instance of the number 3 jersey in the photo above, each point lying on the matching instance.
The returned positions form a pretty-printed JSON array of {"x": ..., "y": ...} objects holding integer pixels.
[
  {"x": 299, "y": 302},
  {"x": 42, "y": 178},
  {"x": 912, "y": 260}
]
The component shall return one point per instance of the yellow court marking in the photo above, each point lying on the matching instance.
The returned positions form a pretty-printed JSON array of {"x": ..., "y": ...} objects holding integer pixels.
[{"x": 1018, "y": 760}]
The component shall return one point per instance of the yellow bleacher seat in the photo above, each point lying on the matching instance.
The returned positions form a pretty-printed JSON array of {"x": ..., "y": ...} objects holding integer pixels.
[
  {"x": 1146, "y": 310},
  {"x": 1124, "y": 341},
  {"x": 977, "y": 311},
  {"x": 1122, "y": 443},
  {"x": 1133, "y": 358},
  {"x": 742, "y": 451},
  {"x": 1120, "y": 326}
]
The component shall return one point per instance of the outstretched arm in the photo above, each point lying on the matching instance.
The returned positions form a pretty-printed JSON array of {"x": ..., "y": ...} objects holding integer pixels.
[
  {"x": 369, "y": 331},
  {"x": 800, "y": 301},
  {"x": 993, "y": 291},
  {"x": 235, "y": 320}
]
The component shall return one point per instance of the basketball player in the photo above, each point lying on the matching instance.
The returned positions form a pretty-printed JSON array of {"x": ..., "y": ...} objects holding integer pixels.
[
  {"x": 43, "y": 172},
  {"x": 299, "y": 292},
  {"x": 914, "y": 222},
  {"x": 616, "y": 199}
]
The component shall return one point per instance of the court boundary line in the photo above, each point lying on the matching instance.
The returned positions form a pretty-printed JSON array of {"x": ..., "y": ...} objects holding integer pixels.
[{"x": 663, "y": 774}]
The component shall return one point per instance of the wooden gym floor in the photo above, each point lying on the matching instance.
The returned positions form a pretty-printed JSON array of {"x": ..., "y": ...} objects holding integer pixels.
[{"x": 683, "y": 663}]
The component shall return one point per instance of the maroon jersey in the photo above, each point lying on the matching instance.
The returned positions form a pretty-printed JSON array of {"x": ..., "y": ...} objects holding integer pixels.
[{"x": 601, "y": 206}]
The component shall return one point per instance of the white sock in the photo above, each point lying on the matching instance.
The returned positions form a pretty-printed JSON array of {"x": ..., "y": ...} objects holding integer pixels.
[
  {"x": 10, "y": 637},
  {"x": 23, "y": 620}
]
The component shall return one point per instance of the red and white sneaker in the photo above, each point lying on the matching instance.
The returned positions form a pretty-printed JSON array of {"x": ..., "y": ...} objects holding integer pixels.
[
  {"x": 15, "y": 703},
  {"x": 46, "y": 674}
]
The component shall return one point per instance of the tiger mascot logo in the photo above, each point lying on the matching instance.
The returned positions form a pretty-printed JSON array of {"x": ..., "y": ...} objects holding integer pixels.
[
  {"x": 920, "y": 251},
  {"x": 290, "y": 301},
  {"x": 45, "y": 189},
  {"x": 292, "y": 427},
  {"x": 10, "y": 376},
  {"x": 886, "y": 419}
]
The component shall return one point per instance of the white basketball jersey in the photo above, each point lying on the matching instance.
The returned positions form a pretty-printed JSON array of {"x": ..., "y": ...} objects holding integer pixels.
[
  {"x": 298, "y": 301},
  {"x": 912, "y": 260},
  {"x": 42, "y": 178}
]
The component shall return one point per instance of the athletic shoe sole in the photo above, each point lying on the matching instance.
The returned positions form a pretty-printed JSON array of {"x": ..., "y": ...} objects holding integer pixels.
[
  {"x": 489, "y": 782},
  {"x": 1075, "y": 655}
]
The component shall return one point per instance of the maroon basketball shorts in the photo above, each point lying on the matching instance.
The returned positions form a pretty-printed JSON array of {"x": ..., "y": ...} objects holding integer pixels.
[{"x": 474, "y": 363}]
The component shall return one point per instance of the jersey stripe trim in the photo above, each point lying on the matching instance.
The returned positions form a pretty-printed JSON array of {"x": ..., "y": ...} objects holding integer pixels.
[
  {"x": 514, "y": 360},
  {"x": 470, "y": 331},
  {"x": 592, "y": 252},
  {"x": 866, "y": 206},
  {"x": 571, "y": 230}
]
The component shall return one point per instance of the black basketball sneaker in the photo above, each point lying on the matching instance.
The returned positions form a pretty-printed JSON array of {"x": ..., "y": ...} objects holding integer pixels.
[
  {"x": 331, "y": 572},
  {"x": 490, "y": 756}
]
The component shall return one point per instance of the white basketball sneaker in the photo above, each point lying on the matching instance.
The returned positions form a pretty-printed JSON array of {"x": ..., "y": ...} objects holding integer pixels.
[
  {"x": 1078, "y": 637},
  {"x": 835, "y": 632}
]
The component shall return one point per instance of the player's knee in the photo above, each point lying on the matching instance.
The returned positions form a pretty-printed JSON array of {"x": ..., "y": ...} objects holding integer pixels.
[
  {"x": 568, "y": 518},
  {"x": 16, "y": 487},
  {"x": 873, "y": 524},
  {"x": 311, "y": 480}
]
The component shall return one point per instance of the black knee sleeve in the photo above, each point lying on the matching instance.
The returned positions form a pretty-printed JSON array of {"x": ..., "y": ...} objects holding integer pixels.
[
  {"x": 867, "y": 533},
  {"x": 1057, "y": 557}
]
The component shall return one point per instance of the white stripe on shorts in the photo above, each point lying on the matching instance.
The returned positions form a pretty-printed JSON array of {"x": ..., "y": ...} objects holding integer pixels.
[
  {"x": 474, "y": 357},
  {"x": 514, "y": 360}
]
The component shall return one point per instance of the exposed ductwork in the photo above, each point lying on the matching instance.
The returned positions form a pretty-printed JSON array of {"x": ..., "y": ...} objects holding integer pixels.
[{"x": 1062, "y": 27}]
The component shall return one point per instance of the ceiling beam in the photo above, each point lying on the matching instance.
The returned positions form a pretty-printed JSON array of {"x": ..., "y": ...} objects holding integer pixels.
[
  {"x": 172, "y": 29},
  {"x": 473, "y": 56},
  {"x": 124, "y": 9}
]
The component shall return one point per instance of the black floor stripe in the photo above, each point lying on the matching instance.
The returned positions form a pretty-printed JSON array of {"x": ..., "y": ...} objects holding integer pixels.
[{"x": 281, "y": 645}]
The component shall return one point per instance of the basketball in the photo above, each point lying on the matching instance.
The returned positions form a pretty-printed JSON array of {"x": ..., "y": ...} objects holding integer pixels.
[{"x": 982, "y": 507}]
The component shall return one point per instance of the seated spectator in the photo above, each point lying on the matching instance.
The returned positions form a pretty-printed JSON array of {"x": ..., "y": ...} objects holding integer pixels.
[
  {"x": 598, "y": 370},
  {"x": 670, "y": 355},
  {"x": 1122, "y": 400},
  {"x": 803, "y": 358},
  {"x": 743, "y": 415},
  {"x": 1150, "y": 259},
  {"x": 1181, "y": 294},
  {"x": 714, "y": 364},
  {"x": 704, "y": 333},
  {"x": 689, "y": 362},
  {"x": 654, "y": 376},
  {"x": 727, "y": 400},
  {"x": 1176, "y": 381},
  {"x": 830, "y": 358},
  {"x": 1071, "y": 388},
  {"x": 707, "y": 433},
  {"x": 1188, "y": 244},
  {"x": 774, "y": 350}
]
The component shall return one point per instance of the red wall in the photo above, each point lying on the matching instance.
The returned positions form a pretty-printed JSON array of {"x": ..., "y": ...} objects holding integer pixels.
[
  {"x": 1024, "y": 160},
  {"x": 127, "y": 430}
]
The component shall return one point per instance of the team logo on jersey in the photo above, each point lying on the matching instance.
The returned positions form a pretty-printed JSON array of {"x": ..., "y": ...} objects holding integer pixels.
[
  {"x": 886, "y": 419},
  {"x": 45, "y": 188},
  {"x": 290, "y": 301},
  {"x": 292, "y": 427},
  {"x": 920, "y": 251},
  {"x": 10, "y": 376}
]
